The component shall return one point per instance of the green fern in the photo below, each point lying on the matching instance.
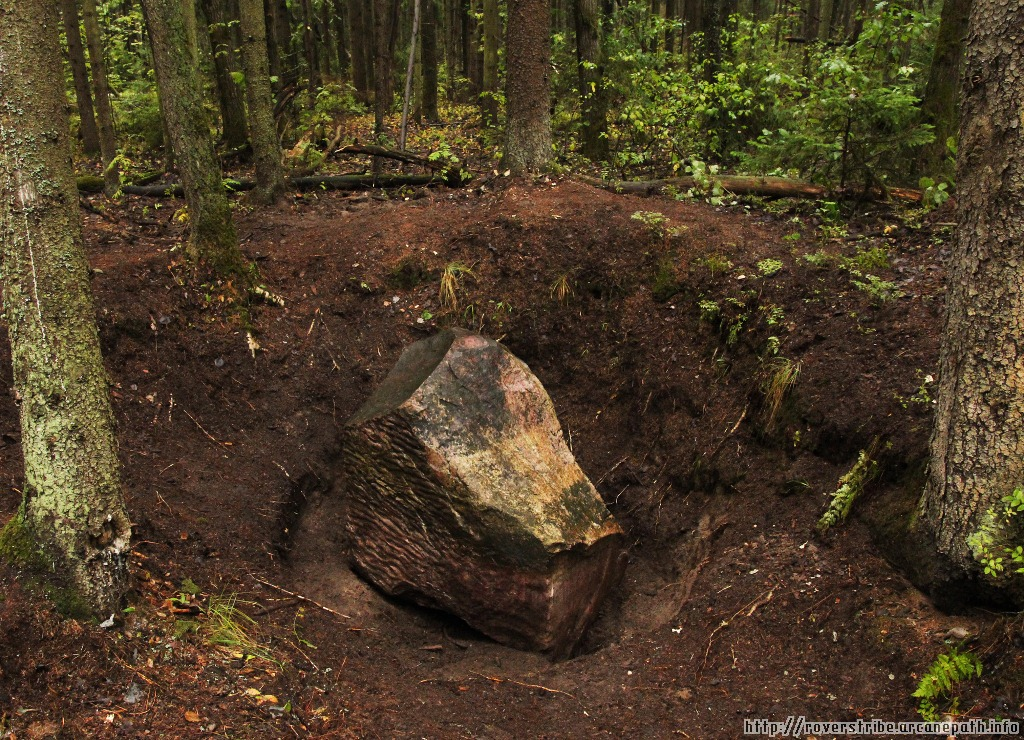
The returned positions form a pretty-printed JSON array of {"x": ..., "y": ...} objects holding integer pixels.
[{"x": 939, "y": 682}]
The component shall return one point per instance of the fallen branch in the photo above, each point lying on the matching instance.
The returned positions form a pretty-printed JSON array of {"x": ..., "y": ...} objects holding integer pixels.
[
  {"x": 749, "y": 609},
  {"x": 766, "y": 187},
  {"x": 300, "y": 597},
  {"x": 499, "y": 679}
]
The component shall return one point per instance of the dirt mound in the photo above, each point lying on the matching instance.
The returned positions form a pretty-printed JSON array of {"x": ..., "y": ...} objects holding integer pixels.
[{"x": 659, "y": 328}]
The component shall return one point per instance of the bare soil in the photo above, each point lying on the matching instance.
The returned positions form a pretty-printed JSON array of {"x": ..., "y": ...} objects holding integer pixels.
[{"x": 732, "y": 607}]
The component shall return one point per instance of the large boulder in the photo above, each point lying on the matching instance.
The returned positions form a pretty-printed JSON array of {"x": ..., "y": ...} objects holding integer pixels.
[{"x": 462, "y": 496}]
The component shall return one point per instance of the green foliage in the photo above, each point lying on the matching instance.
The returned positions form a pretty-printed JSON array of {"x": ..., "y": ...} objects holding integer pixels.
[
  {"x": 666, "y": 280},
  {"x": 937, "y": 686},
  {"x": 879, "y": 290},
  {"x": 654, "y": 220},
  {"x": 853, "y": 119},
  {"x": 769, "y": 267},
  {"x": 873, "y": 258},
  {"x": 715, "y": 263},
  {"x": 709, "y": 310},
  {"x": 996, "y": 544},
  {"x": 229, "y": 627},
  {"x": 934, "y": 194},
  {"x": 850, "y": 487}
]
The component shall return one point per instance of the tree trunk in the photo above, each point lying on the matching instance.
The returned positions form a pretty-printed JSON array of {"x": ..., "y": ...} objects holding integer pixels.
[
  {"x": 381, "y": 74},
  {"x": 939, "y": 107},
  {"x": 361, "y": 64},
  {"x": 262, "y": 129},
  {"x": 341, "y": 35},
  {"x": 977, "y": 446},
  {"x": 410, "y": 68},
  {"x": 309, "y": 47},
  {"x": 213, "y": 243},
  {"x": 326, "y": 43},
  {"x": 188, "y": 14},
  {"x": 83, "y": 96},
  {"x": 273, "y": 52},
  {"x": 492, "y": 39},
  {"x": 590, "y": 67},
  {"x": 282, "y": 34},
  {"x": 225, "y": 63},
  {"x": 73, "y": 509},
  {"x": 428, "y": 92},
  {"x": 711, "y": 23},
  {"x": 104, "y": 112},
  {"x": 527, "y": 87}
]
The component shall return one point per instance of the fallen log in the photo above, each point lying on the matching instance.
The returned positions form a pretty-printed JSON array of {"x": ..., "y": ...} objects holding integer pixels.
[
  {"x": 765, "y": 187},
  {"x": 327, "y": 182},
  {"x": 461, "y": 494},
  {"x": 452, "y": 174}
]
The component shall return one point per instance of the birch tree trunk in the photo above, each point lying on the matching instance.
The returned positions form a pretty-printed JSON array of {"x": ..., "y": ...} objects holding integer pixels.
[
  {"x": 72, "y": 519},
  {"x": 977, "y": 446}
]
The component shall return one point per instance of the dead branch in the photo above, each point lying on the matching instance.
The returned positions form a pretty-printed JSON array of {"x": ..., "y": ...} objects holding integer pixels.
[{"x": 765, "y": 187}]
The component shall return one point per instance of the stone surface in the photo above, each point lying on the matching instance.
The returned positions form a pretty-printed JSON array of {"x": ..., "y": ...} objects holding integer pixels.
[{"x": 462, "y": 496}]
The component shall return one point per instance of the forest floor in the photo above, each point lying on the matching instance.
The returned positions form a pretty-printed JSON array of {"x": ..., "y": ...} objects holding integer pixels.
[{"x": 657, "y": 338}]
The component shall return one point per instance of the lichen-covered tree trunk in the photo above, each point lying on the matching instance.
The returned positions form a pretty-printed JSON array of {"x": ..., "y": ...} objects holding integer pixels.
[
  {"x": 230, "y": 98},
  {"x": 73, "y": 511},
  {"x": 939, "y": 105},
  {"x": 492, "y": 39},
  {"x": 212, "y": 243},
  {"x": 977, "y": 446},
  {"x": 527, "y": 87},
  {"x": 104, "y": 111},
  {"x": 262, "y": 128},
  {"x": 590, "y": 67},
  {"x": 83, "y": 96}
]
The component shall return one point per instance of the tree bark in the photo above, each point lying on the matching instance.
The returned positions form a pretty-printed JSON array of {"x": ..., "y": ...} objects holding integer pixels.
[
  {"x": 381, "y": 74},
  {"x": 309, "y": 47},
  {"x": 188, "y": 14},
  {"x": 361, "y": 63},
  {"x": 590, "y": 76},
  {"x": 341, "y": 35},
  {"x": 428, "y": 91},
  {"x": 527, "y": 87},
  {"x": 410, "y": 68},
  {"x": 281, "y": 32},
  {"x": 213, "y": 243},
  {"x": 83, "y": 96},
  {"x": 73, "y": 508},
  {"x": 262, "y": 128},
  {"x": 939, "y": 106},
  {"x": 977, "y": 445},
  {"x": 104, "y": 112},
  {"x": 230, "y": 97},
  {"x": 492, "y": 39}
]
